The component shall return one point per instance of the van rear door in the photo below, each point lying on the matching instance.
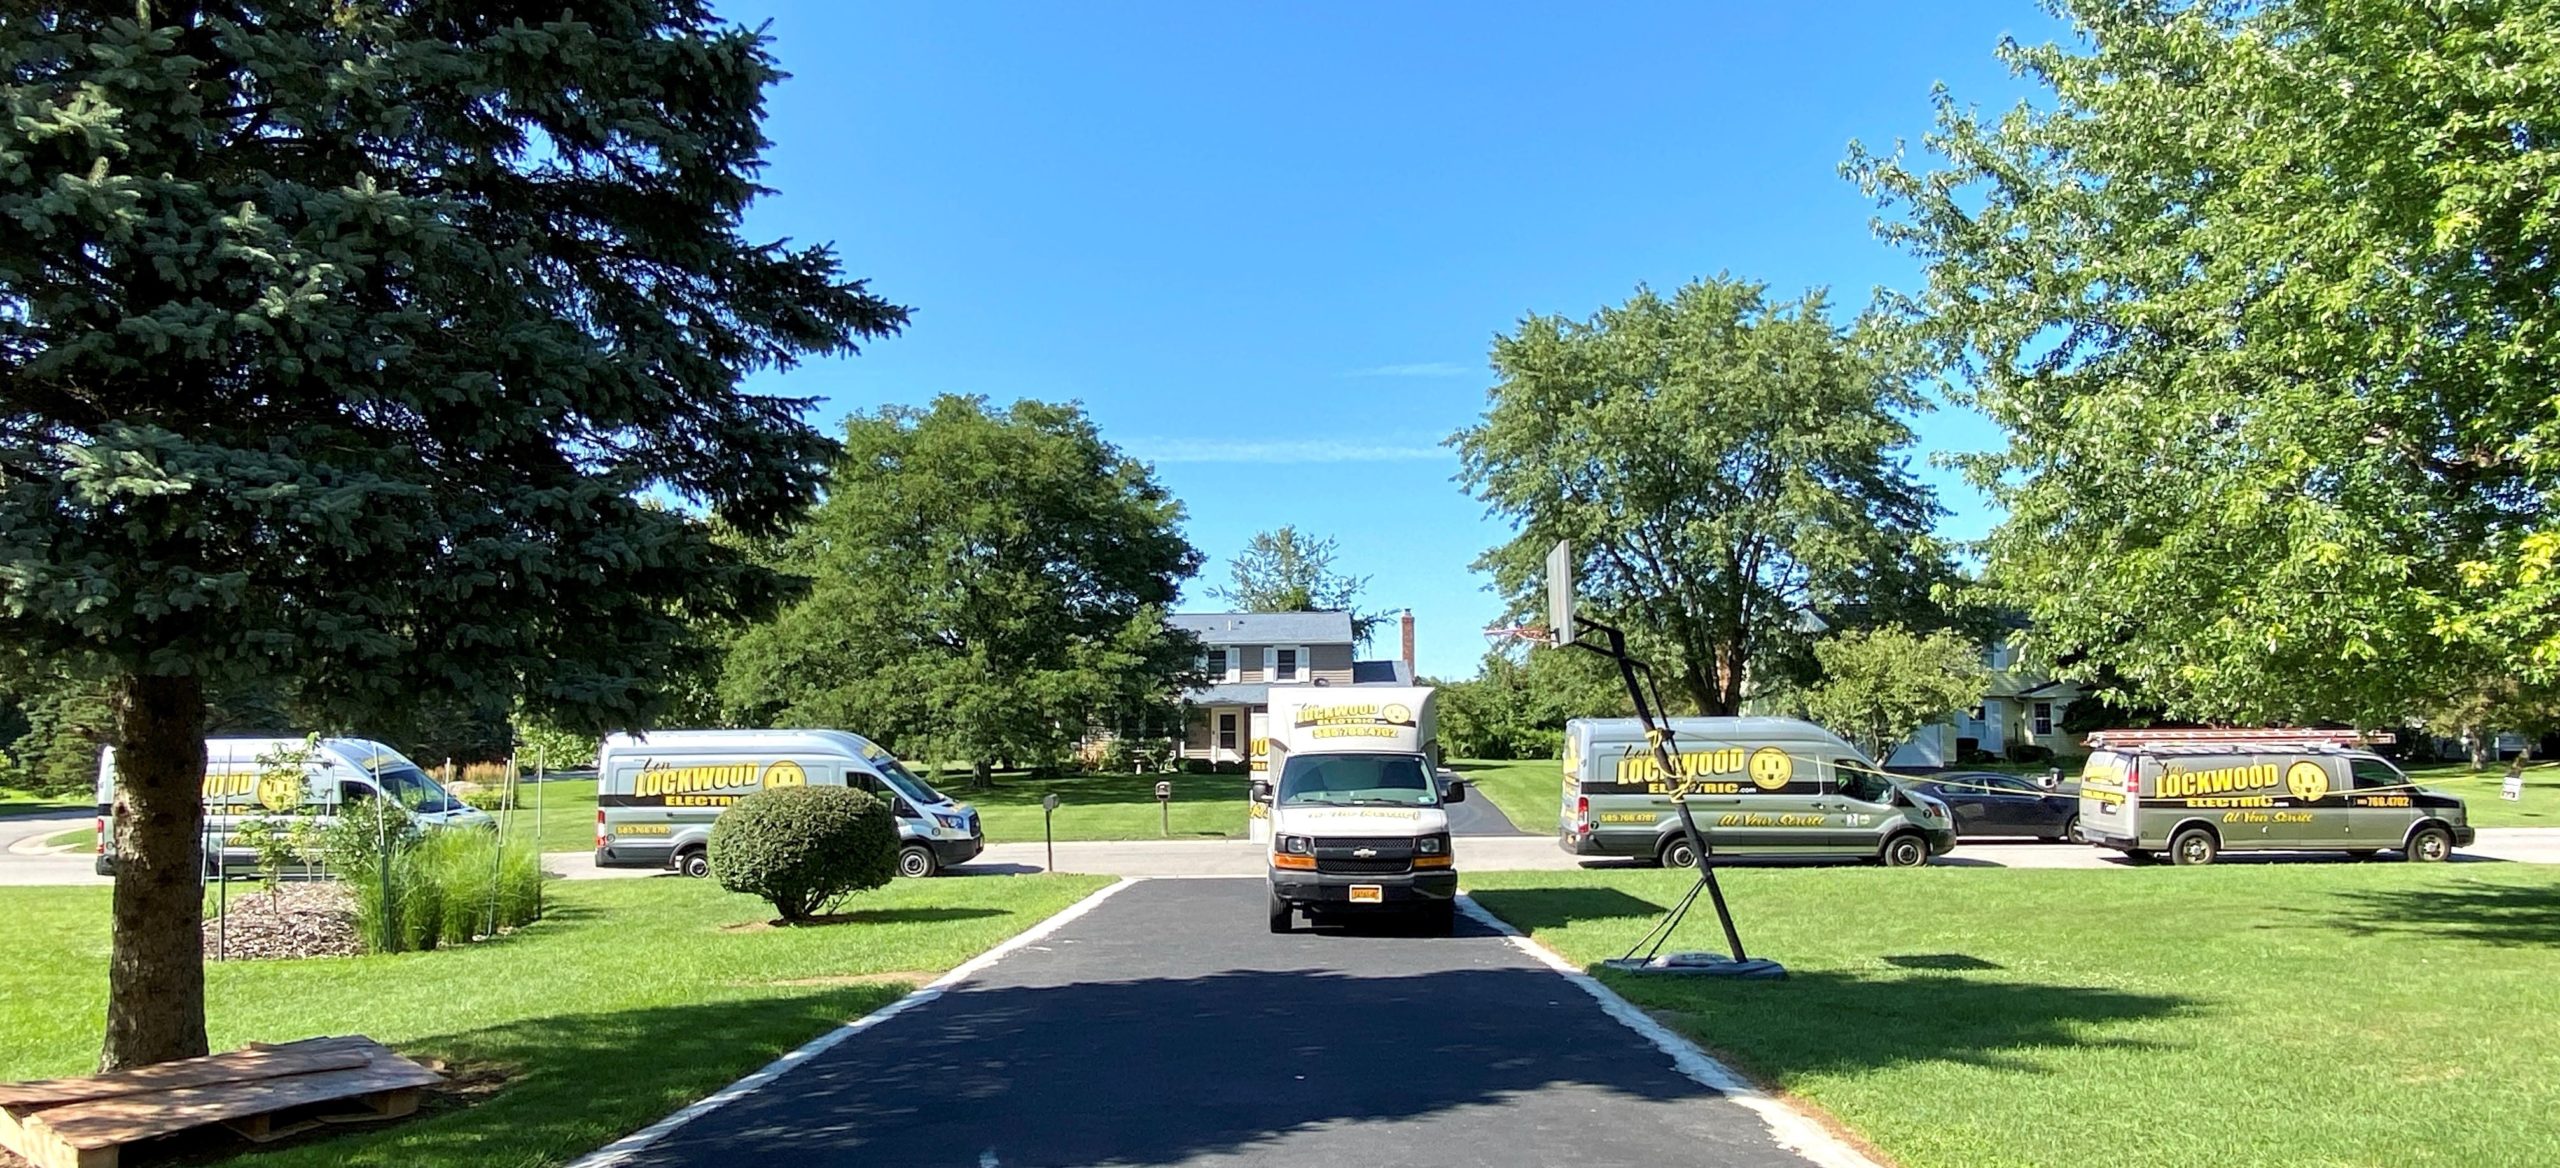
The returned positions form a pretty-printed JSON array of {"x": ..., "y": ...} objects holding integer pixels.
[{"x": 2110, "y": 789}]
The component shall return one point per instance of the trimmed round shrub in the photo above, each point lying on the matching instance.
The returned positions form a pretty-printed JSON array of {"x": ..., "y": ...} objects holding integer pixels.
[{"x": 803, "y": 848}]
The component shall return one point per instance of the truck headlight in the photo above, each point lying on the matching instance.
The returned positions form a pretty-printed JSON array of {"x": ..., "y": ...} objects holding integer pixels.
[
  {"x": 1297, "y": 845},
  {"x": 1431, "y": 845},
  {"x": 954, "y": 822}
]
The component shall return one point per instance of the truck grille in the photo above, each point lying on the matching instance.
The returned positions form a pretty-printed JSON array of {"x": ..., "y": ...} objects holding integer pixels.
[
  {"x": 1363, "y": 867},
  {"x": 1341, "y": 856}
]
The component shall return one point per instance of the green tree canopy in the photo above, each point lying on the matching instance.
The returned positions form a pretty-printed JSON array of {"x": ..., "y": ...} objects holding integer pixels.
[
  {"x": 1722, "y": 463},
  {"x": 1286, "y": 571},
  {"x": 2262, "y": 295},
  {"x": 1517, "y": 704},
  {"x": 338, "y": 344},
  {"x": 1879, "y": 686},
  {"x": 994, "y": 580}
]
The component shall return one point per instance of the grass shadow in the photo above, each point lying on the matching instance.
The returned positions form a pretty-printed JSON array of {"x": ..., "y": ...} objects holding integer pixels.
[
  {"x": 1537, "y": 909},
  {"x": 2501, "y": 914}
]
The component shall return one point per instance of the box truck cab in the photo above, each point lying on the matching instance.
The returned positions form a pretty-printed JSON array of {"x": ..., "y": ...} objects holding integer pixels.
[
  {"x": 657, "y": 796},
  {"x": 2193, "y": 795},
  {"x": 260, "y": 778},
  {"x": 1775, "y": 787},
  {"x": 1356, "y": 805}
]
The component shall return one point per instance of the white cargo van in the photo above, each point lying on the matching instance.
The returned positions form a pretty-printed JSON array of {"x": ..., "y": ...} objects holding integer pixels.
[
  {"x": 336, "y": 772},
  {"x": 657, "y": 796},
  {"x": 1356, "y": 801}
]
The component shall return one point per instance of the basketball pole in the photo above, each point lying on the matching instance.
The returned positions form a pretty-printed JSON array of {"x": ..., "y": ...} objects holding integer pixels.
[{"x": 1666, "y": 757}]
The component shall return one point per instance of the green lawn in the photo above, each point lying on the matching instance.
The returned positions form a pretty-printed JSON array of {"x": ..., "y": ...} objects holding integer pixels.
[
  {"x": 1527, "y": 790},
  {"x": 568, "y": 815},
  {"x": 633, "y": 998},
  {"x": 1107, "y": 807},
  {"x": 17, "y": 802},
  {"x": 86, "y": 839},
  {"x": 2540, "y": 806},
  {"x": 2328, "y": 1014}
]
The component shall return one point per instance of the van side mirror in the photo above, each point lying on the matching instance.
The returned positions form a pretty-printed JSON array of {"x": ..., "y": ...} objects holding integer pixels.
[
  {"x": 1261, "y": 791},
  {"x": 1453, "y": 791}
]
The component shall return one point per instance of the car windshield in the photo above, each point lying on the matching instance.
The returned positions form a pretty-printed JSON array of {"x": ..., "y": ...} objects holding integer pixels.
[
  {"x": 1863, "y": 786},
  {"x": 907, "y": 782},
  {"x": 1357, "y": 780},
  {"x": 416, "y": 791}
]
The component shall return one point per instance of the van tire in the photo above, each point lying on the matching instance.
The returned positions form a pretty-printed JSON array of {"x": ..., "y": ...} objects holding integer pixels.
[
  {"x": 1903, "y": 850},
  {"x": 1284, "y": 919},
  {"x": 1676, "y": 853},
  {"x": 915, "y": 862},
  {"x": 2193, "y": 847},
  {"x": 2428, "y": 845},
  {"x": 694, "y": 862}
]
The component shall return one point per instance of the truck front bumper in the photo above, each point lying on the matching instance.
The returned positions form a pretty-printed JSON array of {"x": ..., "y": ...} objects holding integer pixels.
[
  {"x": 1328, "y": 890},
  {"x": 1942, "y": 842},
  {"x": 947, "y": 852},
  {"x": 2463, "y": 835}
]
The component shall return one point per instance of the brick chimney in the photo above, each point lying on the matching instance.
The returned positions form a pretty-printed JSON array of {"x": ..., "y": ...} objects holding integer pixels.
[{"x": 1408, "y": 642}]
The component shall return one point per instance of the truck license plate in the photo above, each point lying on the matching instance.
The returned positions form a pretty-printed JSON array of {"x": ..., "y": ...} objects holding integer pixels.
[{"x": 1368, "y": 894}]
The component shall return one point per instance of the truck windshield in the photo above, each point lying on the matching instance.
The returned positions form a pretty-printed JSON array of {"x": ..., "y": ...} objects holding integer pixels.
[
  {"x": 416, "y": 791},
  {"x": 1357, "y": 780},
  {"x": 908, "y": 782}
]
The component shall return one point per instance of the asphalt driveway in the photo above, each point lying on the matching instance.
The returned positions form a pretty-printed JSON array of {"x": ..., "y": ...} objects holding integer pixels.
[{"x": 1168, "y": 1027}]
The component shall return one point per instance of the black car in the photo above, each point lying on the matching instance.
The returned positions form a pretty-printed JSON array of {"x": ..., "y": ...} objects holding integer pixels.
[{"x": 1990, "y": 804}]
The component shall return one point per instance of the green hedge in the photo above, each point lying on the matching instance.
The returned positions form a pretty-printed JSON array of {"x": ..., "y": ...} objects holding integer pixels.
[{"x": 802, "y": 849}]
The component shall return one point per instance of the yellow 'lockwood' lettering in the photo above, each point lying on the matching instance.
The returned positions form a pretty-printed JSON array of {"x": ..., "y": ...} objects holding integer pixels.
[
  {"x": 2216, "y": 781},
  {"x": 1640, "y": 768},
  {"x": 671, "y": 782}
]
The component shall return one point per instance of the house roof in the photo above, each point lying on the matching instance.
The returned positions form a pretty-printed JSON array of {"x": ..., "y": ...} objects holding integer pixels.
[
  {"x": 1392, "y": 671},
  {"x": 1255, "y": 693},
  {"x": 1266, "y": 628}
]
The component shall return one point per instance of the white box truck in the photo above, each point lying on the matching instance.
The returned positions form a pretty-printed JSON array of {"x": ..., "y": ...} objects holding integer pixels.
[
  {"x": 656, "y": 797},
  {"x": 1356, "y": 799}
]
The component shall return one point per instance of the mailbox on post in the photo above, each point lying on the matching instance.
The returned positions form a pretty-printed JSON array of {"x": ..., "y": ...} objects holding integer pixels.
[
  {"x": 1049, "y": 838},
  {"x": 1164, "y": 805}
]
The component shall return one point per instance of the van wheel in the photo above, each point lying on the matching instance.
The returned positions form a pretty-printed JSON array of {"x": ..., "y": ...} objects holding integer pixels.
[
  {"x": 1676, "y": 853},
  {"x": 1904, "y": 851},
  {"x": 695, "y": 863},
  {"x": 2193, "y": 847},
  {"x": 915, "y": 861},
  {"x": 2428, "y": 845},
  {"x": 1283, "y": 918}
]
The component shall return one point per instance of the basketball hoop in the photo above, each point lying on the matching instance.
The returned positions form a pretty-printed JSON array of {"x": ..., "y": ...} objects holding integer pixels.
[{"x": 1533, "y": 634}]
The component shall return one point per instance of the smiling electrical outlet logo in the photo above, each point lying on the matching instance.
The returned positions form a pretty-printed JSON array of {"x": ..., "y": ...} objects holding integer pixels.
[
  {"x": 2307, "y": 780},
  {"x": 1771, "y": 768}
]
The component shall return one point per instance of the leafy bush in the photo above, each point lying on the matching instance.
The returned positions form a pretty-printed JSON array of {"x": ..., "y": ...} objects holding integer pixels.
[
  {"x": 417, "y": 889},
  {"x": 490, "y": 799},
  {"x": 803, "y": 848},
  {"x": 2030, "y": 752}
]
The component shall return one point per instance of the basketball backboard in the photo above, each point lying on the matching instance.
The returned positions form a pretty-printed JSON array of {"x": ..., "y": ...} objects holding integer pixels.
[{"x": 1560, "y": 593}]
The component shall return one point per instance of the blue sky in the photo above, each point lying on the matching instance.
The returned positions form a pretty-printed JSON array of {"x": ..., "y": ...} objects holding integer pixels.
[{"x": 1268, "y": 246}]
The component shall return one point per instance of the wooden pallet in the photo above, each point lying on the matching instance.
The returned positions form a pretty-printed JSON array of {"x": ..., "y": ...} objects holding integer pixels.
[{"x": 82, "y": 1123}]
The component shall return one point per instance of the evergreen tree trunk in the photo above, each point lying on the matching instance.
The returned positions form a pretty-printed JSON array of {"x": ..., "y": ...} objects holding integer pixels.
[{"x": 155, "y": 969}]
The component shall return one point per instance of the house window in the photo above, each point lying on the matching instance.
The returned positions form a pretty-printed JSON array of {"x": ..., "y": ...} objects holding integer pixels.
[
  {"x": 1214, "y": 663},
  {"x": 1284, "y": 665},
  {"x": 1227, "y": 731},
  {"x": 2044, "y": 718}
]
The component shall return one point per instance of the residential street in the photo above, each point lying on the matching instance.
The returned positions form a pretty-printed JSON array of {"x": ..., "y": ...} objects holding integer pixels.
[{"x": 1168, "y": 1027}]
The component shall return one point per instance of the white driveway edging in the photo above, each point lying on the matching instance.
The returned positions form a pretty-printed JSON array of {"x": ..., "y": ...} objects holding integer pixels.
[
  {"x": 1790, "y": 1128},
  {"x": 628, "y": 1146}
]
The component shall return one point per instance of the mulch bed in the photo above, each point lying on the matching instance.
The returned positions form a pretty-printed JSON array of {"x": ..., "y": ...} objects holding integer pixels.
[{"x": 314, "y": 919}]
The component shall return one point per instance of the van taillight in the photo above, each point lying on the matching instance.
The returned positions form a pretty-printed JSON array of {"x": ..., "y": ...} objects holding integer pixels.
[
  {"x": 102, "y": 833},
  {"x": 601, "y": 838},
  {"x": 1582, "y": 815}
]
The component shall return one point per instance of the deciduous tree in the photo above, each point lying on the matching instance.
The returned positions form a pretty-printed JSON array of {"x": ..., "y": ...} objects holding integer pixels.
[
  {"x": 994, "y": 580},
  {"x": 1286, "y": 571},
  {"x": 1881, "y": 685},
  {"x": 1722, "y": 462},
  {"x": 2263, "y": 295},
  {"x": 338, "y": 344}
]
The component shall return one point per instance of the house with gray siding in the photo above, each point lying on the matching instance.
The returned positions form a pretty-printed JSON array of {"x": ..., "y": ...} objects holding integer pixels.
[{"x": 1244, "y": 654}]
